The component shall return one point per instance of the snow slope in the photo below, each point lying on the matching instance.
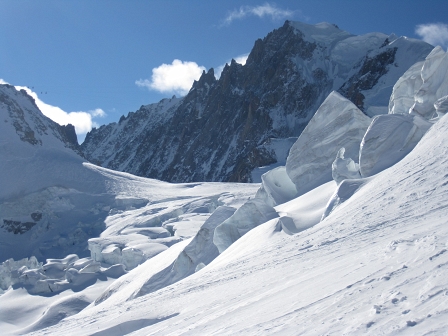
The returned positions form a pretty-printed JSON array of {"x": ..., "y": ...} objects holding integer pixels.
[
  {"x": 377, "y": 264},
  {"x": 31, "y": 145}
]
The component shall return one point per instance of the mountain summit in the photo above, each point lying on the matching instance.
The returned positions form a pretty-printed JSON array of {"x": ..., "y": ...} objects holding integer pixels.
[{"x": 220, "y": 130}]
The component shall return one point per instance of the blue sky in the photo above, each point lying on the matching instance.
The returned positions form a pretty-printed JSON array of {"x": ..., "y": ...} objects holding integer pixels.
[{"x": 104, "y": 58}]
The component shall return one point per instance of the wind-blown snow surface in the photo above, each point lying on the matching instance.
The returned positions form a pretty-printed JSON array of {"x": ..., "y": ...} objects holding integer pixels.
[{"x": 377, "y": 264}]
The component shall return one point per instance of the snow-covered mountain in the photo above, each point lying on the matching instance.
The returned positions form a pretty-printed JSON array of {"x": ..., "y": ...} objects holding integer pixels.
[
  {"x": 350, "y": 237},
  {"x": 219, "y": 131}
]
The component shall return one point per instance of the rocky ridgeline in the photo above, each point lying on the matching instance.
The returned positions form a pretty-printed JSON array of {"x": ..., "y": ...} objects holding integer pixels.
[
  {"x": 217, "y": 131},
  {"x": 31, "y": 127}
]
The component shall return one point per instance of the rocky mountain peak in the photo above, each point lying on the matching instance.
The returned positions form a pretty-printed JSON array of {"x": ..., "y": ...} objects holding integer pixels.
[
  {"x": 69, "y": 133},
  {"x": 20, "y": 110},
  {"x": 206, "y": 79},
  {"x": 217, "y": 131}
]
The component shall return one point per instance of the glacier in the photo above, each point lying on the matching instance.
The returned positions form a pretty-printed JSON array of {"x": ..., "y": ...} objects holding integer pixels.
[
  {"x": 351, "y": 233},
  {"x": 379, "y": 270}
]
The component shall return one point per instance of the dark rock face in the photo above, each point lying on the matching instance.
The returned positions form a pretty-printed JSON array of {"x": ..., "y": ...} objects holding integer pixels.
[
  {"x": 36, "y": 216},
  {"x": 17, "y": 227},
  {"x": 17, "y": 116},
  {"x": 368, "y": 76},
  {"x": 69, "y": 134},
  {"x": 214, "y": 133}
]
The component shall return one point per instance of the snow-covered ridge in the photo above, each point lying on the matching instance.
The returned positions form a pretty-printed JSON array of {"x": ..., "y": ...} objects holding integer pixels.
[{"x": 148, "y": 118}]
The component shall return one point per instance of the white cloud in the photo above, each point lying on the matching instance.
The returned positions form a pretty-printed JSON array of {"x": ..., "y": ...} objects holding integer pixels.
[
  {"x": 434, "y": 33},
  {"x": 81, "y": 120},
  {"x": 241, "y": 59},
  {"x": 97, "y": 113},
  {"x": 176, "y": 77},
  {"x": 270, "y": 10}
]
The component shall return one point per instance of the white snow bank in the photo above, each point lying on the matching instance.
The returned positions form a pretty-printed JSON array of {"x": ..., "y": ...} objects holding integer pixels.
[
  {"x": 337, "y": 123},
  {"x": 22, "y": 313},
  {"x": 389, "y": 139},
  {"x": 343, "y": 192},
  {"x": 305, "y": 211}
]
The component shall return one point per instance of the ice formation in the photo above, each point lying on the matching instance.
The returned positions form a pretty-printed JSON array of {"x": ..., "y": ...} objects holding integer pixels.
[
  {"x": 422, "y": 86},
  {"x": 176, "y": 263},
  {"x": 234, "y": 256},
  {"x": 405, "y": 89},
  {"x": 434, "y": 83},
  {"x": 441, "y": 106},
  {"x": 380, "y": 256},
  {"x": 11, "y": 270},
  {"x": 251, "y": 214},
  {"x": 419, "y": 95},
  {"x": 55, "y": 275},
  {"x": 276, "y": 187},
  {"x": 337, "y": 123},
  {"x": 200, "y": 251},
  {"x": 344, "y": 168},
  {"x": 389, "y": 139},
  {"x": 130, "y": 255}
]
